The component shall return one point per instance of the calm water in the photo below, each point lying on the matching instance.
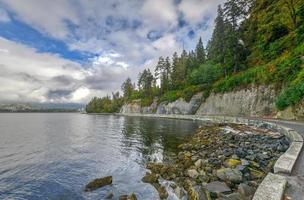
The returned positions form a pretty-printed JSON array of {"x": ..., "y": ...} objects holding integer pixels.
[{"x": 53, "y": 156}]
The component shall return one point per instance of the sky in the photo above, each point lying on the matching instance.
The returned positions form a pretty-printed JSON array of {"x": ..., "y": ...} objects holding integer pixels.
[{"x": 68, "y": 51}]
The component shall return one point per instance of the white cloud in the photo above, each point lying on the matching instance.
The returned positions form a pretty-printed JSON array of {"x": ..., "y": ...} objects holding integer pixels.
[
  {"x": 159, "y": 13},
  {"x": 115, "y": 30},
  {"x": 195, "y": 10},
  {"x": 47, "y": 16}
]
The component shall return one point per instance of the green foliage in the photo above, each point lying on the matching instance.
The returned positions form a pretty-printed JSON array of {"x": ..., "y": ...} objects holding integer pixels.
[
  {"x": 290, "y": 96},
  {"x": 170, "y": 96},
  {"x": 205, "y": 74},
  {"x": 105, "y": 104},
  {"x": 255, "y": 75}
]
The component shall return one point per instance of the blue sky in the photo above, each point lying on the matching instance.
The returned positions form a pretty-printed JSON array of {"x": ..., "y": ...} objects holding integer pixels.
[{"x": 70, "y": 50}]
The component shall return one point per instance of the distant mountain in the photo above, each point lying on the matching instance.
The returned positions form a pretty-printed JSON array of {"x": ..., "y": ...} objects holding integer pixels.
[{"x": 41, "y": 107}]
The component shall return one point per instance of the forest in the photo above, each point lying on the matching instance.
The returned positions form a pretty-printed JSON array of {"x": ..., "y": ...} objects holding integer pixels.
[{"x": 258, "y": 42}]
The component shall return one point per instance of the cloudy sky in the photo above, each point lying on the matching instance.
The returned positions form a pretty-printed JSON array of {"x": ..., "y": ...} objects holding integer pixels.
[{"x": 70, "y": 50}]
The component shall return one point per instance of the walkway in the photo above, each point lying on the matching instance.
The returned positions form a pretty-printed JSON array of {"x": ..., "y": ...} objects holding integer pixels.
[{"x": 296, "y": 180}]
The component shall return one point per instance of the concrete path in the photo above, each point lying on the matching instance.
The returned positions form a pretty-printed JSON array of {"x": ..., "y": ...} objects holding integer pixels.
[{"x": 295, "y": 190}]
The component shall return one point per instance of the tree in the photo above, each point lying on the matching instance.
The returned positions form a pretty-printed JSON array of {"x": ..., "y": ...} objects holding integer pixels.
[
  {"x": 200, "y": 52},
  {"x": 145, "y": 82},
  {"x": 235, "y": 11},
  {"x": 216, "y": 46},
  {"x": 127, "y": 88},
  {"x": 163, "y": 72}
]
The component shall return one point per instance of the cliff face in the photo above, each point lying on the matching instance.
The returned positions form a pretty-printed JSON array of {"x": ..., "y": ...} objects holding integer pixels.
[
  {"x": 179, "y": 106},
  {"x": 254, "y": 102}
]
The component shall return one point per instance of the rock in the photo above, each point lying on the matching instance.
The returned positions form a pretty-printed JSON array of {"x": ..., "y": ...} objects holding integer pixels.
[
  {"x": 233, "y": 175},
  {"x": 240, "y": 152},
  {"x": 232, "y": 163},
  {"x": 198, "y": 163},
  {"x": 233, "y": 196},
  {"x": 217, "y": 187},
  {"x": 245, "y": 162},
  {"x": 245, "y": 190},
  {"x": 192, "y": 173},
  {"x": 98, "y": 183},
  {"x": 256, "y": 174},
  {"x": 123, "y": 197},
  {"x": 150, "y": 178},
  {"x": 132, "y": 197},
  {"x": 110, "y": 196},
  {"x": 179, "y": 192},
  {"x": 162, "y": 192}
]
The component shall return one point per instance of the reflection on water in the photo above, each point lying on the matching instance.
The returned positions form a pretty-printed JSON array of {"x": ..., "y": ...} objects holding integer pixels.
[{"x": 52, "y": 156}]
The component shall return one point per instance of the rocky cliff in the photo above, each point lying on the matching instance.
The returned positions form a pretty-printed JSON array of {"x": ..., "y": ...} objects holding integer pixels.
[
  {"x": 179, "y": 106},
  {"x": 254, "y": 102}
]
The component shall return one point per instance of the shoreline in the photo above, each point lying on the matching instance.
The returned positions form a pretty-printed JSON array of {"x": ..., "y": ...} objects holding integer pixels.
[{"x": 274, "y": 184}]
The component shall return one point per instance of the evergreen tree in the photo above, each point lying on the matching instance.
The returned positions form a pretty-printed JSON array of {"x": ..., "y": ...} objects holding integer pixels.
[
  {"x": 200, "y": 52},
  {"x": 216, "y": 47},
  {"x": 162, "y": 72},
  {"x": 235, "y": 11},
  {"x": 127, "y": 88},
  {"x": 145, "y": 82}
]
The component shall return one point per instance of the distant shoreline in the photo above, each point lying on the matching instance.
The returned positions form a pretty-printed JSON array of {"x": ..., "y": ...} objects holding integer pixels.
[{"x": 41, "y": 111}]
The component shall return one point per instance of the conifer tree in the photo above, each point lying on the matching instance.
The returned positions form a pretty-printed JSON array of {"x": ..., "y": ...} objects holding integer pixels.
[{"x": 200, "y": 52}]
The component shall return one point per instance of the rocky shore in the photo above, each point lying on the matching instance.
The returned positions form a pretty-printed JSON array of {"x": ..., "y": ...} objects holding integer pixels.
[{"x": 221, "y": 161}]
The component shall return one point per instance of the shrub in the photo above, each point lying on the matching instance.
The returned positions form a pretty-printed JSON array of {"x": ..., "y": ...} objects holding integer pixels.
[{"x": 290, "y": 96}]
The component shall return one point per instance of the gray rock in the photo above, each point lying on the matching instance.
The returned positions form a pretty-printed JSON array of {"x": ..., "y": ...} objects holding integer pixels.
[
  {"x": 233, "y": 196},
  {"x": 245, "y": 190},
  {"x": 217, "y": 187},
  {"x": 198, "y": 163},
  {"x": 192, "y": 173},
  {"x": 233, "y": 175}
]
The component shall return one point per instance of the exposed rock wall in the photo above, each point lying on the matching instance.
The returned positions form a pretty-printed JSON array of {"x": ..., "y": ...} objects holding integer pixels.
[
  {"x": 254, "y": 102},
  {"x": 180, "y": 106},
  {"x": 133, "y": 107},
  {"x": 293, "y": 112}
]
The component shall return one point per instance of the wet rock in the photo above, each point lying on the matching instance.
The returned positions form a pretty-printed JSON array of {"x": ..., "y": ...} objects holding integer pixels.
[
  {"x": 179, "y": 192},
  {"x": 123, "y": 197},
  {"x": 98, "y": 183},
  {"x": 110, "y": 195},
  {"x": 192, "y": 173},
  {"x": 217, "y": 187},
  {"x": 162, "y": 192},
  {"x": 150, "y": 178},
  {"x": 132, "y": 197},
  {"x": 232, "y": 175}
]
